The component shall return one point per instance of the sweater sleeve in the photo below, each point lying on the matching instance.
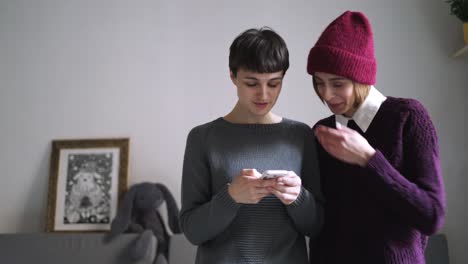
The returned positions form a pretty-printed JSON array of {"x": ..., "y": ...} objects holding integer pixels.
[
  {"x": 307, "y": 211},
  {"x": 204, "y": 214},
  {"x": 418, "y": 196}
]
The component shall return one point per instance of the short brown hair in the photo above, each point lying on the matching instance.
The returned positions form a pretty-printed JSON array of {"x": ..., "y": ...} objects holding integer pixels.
[{"x": 259, "y": 50}]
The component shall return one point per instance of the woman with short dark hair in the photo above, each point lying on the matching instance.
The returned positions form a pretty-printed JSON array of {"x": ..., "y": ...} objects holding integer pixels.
[{"x": 228, "y": 209}]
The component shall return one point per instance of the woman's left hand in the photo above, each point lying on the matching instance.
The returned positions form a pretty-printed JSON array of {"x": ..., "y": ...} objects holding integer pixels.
[
  {"x": 345, "y": 144},
  {"x": 287, "y": 188}
]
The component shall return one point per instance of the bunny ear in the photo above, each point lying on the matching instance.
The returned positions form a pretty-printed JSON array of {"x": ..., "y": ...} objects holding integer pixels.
[
  {"x": 172, "y": 209},
  {"x": 122, "y": 219}
]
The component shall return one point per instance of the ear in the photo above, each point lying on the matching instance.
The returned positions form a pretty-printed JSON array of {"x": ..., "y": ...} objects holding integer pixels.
[
  {"x": 172, "y": 209},
  {"x": 122, "y": 219},
  {"x": 233, "y": 77}
]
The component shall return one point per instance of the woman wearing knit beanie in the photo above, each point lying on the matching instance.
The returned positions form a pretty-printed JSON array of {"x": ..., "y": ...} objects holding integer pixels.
[{"x": 378, "y": 155}]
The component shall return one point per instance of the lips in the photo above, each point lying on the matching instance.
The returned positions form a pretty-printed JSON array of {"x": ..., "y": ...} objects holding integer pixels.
[
  {"x": 260, "y": 104},
  {"x": 334, "y": 105}
]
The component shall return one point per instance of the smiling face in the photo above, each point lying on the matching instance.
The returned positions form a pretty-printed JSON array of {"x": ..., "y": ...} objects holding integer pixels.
[
  {"x": 337, "y": 92},
  {"x": 257, "y": 92}
]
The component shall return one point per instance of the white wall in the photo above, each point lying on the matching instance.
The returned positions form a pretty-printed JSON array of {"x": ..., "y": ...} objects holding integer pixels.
[{"x": 151, "y": 70}]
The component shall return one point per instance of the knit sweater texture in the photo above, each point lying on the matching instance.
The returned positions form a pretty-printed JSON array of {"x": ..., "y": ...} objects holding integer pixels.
[
  {"x": 229, "y": 232},
  {"x": 384, "y": 212}
]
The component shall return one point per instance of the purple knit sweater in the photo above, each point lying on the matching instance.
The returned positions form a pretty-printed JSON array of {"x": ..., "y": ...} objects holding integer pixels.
[{"x": 383, "y": 213}]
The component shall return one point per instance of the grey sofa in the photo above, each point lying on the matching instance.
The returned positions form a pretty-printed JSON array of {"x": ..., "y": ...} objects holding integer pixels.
[
  {"x": 59, "y": 248},
  {"x": 79, "y": 248},
  {"x": 91, "y": 248}
]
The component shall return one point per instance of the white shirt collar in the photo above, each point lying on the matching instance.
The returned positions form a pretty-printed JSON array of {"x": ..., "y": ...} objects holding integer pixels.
[{"x": 366, "y": 112}]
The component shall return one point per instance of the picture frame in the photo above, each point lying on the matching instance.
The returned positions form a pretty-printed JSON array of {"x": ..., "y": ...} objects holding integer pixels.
[{"x": 87, "y": 180}]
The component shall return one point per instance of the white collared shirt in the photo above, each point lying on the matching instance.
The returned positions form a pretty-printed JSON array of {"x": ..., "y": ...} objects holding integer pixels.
[{"x": 366, "y": 112}]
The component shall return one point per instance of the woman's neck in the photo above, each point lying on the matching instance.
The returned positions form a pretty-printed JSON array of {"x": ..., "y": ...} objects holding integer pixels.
[{"x": 238, "y": 116}]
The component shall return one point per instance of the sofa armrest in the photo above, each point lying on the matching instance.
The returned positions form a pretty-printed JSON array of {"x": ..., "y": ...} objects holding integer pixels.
[{"x": 437, "y": 250}]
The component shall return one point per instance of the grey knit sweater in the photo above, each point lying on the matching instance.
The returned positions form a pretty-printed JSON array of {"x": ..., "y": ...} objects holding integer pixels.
[{"x": 268, "y": 232}]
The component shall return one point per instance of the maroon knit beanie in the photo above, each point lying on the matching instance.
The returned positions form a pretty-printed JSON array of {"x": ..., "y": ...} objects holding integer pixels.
[{"x": 345, "y": 48}]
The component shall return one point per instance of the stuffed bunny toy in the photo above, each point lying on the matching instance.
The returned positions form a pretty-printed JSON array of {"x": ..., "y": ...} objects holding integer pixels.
[{"x": 139, "y": 214}]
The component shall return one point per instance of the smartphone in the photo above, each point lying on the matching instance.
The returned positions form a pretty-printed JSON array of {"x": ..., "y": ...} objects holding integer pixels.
[{"x": 271, "y": 174}]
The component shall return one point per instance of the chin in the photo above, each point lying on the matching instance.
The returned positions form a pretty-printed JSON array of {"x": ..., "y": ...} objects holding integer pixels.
[
  {"x": 336, "y": 111},
  {"x": 262, "y": 112}
]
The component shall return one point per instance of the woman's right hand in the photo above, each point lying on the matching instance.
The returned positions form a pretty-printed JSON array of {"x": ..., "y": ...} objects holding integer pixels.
[
  {"x": 345, "y": 144},
  {"x": 249, "y": 188}
]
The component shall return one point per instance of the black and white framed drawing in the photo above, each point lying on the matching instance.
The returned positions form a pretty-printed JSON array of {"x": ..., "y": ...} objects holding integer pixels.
[{"x": 87, "y": 180}]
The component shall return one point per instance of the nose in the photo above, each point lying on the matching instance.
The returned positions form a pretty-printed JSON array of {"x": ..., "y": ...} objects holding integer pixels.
[
  {"x": 326, "y": 93},
  {"x": 262, "y": 92}
]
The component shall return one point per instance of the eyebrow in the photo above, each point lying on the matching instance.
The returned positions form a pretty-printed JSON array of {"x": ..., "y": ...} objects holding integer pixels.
[
  {"x": 255, "y": 79},
  {"x": 337, "y": 79}
]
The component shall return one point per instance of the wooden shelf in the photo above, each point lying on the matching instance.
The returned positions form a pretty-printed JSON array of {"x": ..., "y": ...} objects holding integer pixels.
[{"x": 462, "y": 52}]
